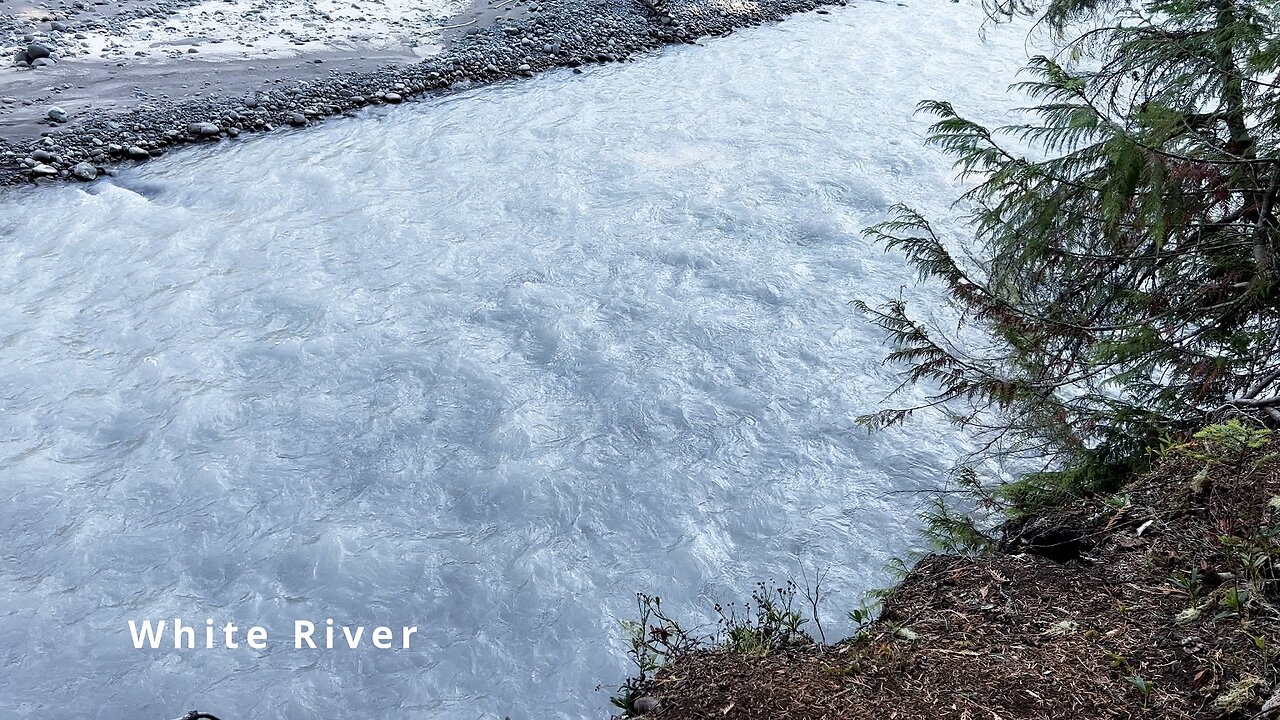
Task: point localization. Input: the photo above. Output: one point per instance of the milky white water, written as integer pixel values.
(486, 364)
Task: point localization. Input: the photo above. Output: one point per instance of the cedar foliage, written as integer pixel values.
(1125, 271)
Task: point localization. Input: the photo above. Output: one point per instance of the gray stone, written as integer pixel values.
(1272, 705)
(36, 50)
(392, 97)
(84, 171)
(297, 119)
(137, 153)
(43, 170)
(57, 114)
(203, 129)
(645, 704)
(43, 156)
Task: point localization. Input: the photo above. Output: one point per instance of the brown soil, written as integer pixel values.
(1015, 634)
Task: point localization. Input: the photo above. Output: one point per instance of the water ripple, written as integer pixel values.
(486, 364)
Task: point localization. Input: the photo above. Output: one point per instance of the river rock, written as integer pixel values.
(43, 156)
(138, 153)
(57, 114)
(1272, 706)
(297, 119)
(35, 51)
(392, 97)
(42, 170)
(203, 129)
(645, 704)
(84, 171)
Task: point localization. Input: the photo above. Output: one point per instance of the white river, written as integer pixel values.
(487, 364)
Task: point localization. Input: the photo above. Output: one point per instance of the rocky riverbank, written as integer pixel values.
(1162, 600)
(73, 107)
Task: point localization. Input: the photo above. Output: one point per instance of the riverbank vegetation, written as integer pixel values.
(1117, 330)
(1156, 602)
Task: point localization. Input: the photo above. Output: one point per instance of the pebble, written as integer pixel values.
(577, 32)
(43, 170)
(84, 171)
(203, 129)
(57, 114)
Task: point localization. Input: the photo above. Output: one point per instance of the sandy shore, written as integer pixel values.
(94, 83)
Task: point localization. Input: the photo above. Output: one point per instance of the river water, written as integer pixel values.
(486, 364)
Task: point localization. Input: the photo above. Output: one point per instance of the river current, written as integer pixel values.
(487, 364)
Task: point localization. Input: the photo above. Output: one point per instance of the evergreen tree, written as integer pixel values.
(1127, 270)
